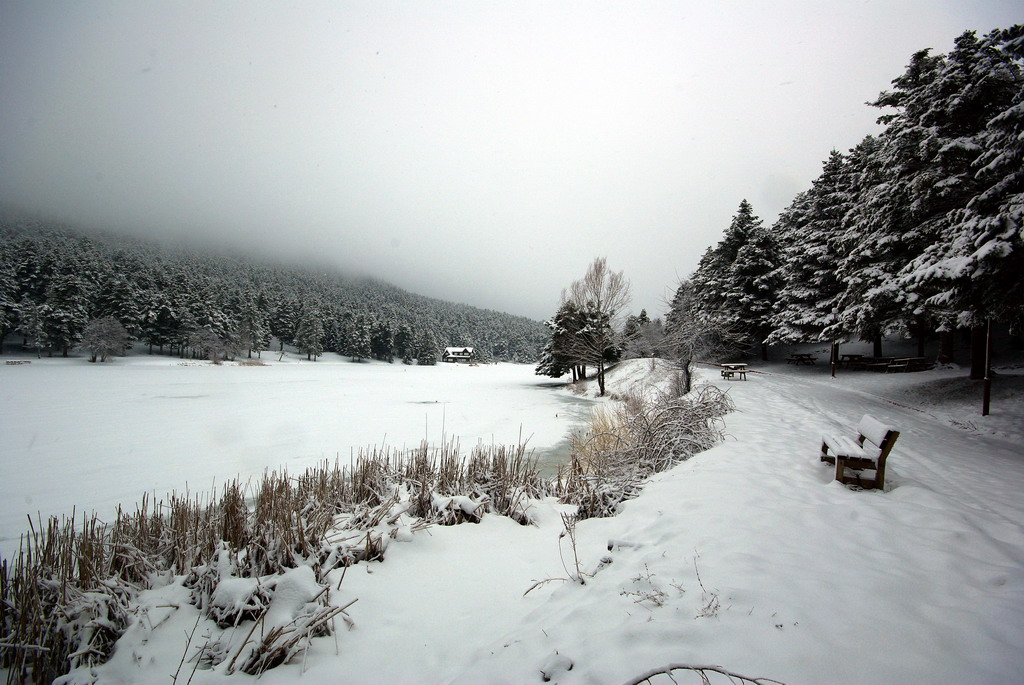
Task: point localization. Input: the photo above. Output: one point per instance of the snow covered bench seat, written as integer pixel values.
(855, 458)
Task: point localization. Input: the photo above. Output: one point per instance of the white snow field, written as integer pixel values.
(97, 435)
(747, 556)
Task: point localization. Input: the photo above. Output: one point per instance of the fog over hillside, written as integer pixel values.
(490, 149)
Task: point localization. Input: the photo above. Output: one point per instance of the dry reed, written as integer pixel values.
(65, 597)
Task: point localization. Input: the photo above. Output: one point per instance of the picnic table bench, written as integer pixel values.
(853, 458)
(892, 364)
(850, 360)
(731, 370)
(910, 364)
(800, 358)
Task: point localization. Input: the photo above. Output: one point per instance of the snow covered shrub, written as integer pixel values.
(235, 600)
(299, 611)
(104, 338)
(91, 622)
(224, 593)
(623, 446)
(451, 511)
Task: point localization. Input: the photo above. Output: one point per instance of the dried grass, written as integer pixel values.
(65, 597)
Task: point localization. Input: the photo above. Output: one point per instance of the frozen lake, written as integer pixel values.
(97, 435)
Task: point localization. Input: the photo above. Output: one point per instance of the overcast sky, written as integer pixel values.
(479, 151)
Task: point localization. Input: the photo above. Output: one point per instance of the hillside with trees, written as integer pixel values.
(61, 290)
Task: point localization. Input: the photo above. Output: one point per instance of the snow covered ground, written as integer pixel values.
(748, 556)
(98, 435)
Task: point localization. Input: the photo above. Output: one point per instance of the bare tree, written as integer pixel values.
(691, 335)
(601, 295)
(104, 337)
(208, 344)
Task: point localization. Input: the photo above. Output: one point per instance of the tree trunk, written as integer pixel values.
(876, 345)
(978, 339)
(764, 351)
(600, 379)
(947, 342)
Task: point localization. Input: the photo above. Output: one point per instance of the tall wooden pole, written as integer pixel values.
(835, 345)
(987, 392)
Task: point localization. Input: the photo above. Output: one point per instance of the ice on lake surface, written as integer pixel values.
(94, 436)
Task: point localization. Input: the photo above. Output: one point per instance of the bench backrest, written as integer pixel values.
(873, 429)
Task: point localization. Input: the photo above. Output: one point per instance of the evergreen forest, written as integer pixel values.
(62, 289)
(915, 232)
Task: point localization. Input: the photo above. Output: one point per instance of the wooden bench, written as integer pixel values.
(898, 366)
(867, 453)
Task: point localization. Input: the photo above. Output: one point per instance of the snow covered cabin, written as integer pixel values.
(457, 354)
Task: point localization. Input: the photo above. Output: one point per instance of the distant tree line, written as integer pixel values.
(914, 232)
(61, 289)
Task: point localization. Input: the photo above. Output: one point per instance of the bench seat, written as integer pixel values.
(846, 447)
(860, 461)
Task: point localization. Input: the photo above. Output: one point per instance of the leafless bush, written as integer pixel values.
(103, 338)
(624, 445)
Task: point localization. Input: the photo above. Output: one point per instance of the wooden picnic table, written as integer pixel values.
(875, 363)
(729, 371)
(800, 358)
(850, 360)
(903, 364)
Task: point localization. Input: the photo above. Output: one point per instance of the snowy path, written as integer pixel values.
(978, 471)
